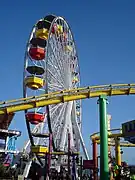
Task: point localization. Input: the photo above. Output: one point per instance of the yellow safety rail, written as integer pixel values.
(65, 96)
(122, 144)
(96, 137)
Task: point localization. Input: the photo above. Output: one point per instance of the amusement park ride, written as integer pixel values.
(7, 139)
(52, 105)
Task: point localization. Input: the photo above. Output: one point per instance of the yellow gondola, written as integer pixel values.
(42, 33)
(59, 29)
(40, 150)
(34, 82)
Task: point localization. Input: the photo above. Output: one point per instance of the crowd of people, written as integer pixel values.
(62, 175)
(123, 172)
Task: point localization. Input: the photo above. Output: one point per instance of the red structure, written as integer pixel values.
(95, 160)
(50, 151)
(88, 164)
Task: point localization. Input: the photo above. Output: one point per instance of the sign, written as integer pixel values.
(88, 164)
(13, 132)
(128, 128)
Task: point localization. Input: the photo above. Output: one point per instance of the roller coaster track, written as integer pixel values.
(122, 144)
(11, 106)
(115, 133)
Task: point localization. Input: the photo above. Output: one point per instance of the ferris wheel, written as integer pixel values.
(51, 64)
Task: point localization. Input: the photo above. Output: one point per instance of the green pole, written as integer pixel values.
(104, 168)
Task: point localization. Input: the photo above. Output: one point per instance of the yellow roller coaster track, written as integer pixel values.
(65, 96)
(96, 137)
(122, 144)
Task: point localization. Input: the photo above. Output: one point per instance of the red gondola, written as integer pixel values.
(37, 53)
(35, 118)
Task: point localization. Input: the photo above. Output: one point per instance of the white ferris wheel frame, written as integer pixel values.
(76, 137)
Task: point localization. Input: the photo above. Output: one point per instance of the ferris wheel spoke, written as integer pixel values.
(53, 65)
(55, 114)
(73, 118)
(53, 71)
(57, 136)
(62, 111)
(56, 70)
(55, 78)
(59, 57)
(55, 54)
(65, 124)
(54, 109)
(58, 123)
(65, 70)
(55, 88)
(56, 61)
(70, 127)
(66, 65)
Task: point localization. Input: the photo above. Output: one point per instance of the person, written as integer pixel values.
(117, 172)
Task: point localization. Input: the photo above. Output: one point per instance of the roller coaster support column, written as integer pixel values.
(104, 169)
(50, 150)
(95, 160)
(73, 167)
(81, 167)
(117, 151)
(46, 167)
(69, 154)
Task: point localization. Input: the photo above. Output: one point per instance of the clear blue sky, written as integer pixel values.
(104, 32)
